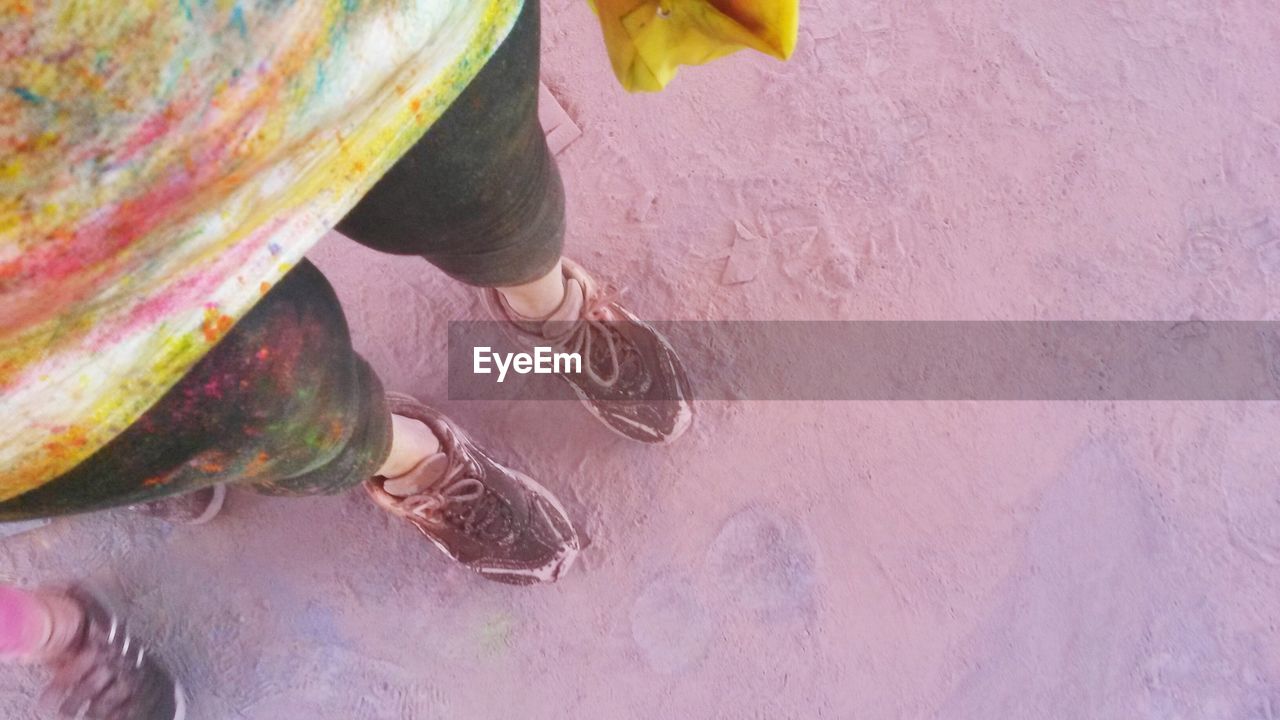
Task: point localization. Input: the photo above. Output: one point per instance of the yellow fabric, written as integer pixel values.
(649, 40)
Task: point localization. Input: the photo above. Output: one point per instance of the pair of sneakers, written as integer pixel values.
(490, 518)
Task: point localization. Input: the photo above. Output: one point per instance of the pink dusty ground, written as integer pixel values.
(968, 159)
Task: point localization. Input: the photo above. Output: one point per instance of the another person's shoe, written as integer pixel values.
(193, 508)
(631, 379)
(494, 520)
(100, 670)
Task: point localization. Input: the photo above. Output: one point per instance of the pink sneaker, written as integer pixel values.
(494, 520)
(631, 379)
(100, 670)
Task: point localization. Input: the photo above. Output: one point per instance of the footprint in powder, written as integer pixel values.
(670, 624)
(764, 563)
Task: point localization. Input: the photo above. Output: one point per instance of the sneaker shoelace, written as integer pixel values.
(456, 488)
(118, 638)
(577, 336)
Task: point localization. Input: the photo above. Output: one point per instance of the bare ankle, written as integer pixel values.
(411, 443)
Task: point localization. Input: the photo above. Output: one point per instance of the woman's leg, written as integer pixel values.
(480, 198)
(283, 402)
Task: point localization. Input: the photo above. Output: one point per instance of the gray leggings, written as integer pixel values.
(479, 196)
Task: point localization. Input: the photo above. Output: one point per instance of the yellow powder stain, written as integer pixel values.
(68, 441)
(8, 371)
(10, 216)
(10, 169)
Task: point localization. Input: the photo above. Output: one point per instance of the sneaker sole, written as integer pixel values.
(684, 419)
(215, 506)
(550, 571)
(179, 701)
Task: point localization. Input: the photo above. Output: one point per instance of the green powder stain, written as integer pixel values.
(27, 95)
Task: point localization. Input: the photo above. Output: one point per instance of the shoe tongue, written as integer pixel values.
(420, 478)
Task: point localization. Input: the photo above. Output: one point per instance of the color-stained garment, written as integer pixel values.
(164, 162)
(283, 404)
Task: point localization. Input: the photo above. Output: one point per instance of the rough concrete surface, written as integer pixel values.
(954, 159)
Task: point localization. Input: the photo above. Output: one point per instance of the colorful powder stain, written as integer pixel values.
(216, 324)
(27, 95)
